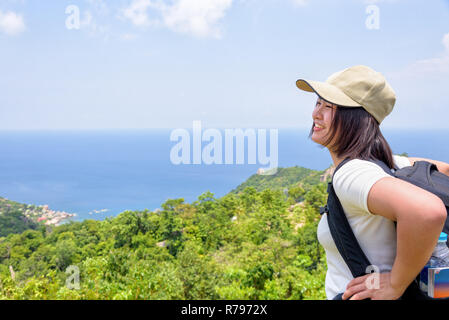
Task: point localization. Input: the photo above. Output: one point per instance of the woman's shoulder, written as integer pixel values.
(353, 181)
(357, 167)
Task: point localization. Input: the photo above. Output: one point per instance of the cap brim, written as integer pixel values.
(328, 92)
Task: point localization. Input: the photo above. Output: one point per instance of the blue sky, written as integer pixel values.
(228, 63)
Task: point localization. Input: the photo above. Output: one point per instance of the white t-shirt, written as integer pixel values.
(375, 234)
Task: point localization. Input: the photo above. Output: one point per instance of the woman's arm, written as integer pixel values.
(443, 167)
(420, 217)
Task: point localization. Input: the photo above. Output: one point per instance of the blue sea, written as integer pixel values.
(97, 174)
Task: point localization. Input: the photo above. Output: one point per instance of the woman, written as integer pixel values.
(350, 107)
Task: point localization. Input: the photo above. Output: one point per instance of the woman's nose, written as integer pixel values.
(316, 113)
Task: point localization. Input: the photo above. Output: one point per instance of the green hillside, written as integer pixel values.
(248, 244)
(284, 178)
(16, 217)
(26, 209)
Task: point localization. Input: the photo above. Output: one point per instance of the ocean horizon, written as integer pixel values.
(101, 173)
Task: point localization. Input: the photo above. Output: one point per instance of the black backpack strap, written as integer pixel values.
(342, 233)
(344, 237)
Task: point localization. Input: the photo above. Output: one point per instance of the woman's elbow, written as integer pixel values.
(446, 169)
(443, 167)
(437, 214)
(429, 215)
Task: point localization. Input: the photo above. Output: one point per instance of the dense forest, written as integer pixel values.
(15, 221)
(257, 242)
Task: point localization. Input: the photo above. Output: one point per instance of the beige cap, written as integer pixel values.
(358, 86)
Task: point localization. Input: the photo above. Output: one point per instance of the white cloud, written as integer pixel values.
(195, 17)
(421, 88)
(137, 12)
(434, 66)
(446, 42)
(92, 27)
(94, 20)
(11, 23)
(99, 6)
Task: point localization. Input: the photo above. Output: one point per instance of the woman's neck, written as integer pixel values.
(335, 159)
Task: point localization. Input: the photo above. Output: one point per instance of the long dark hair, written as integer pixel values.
(357, 136)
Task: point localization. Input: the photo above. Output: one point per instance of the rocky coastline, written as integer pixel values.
(52, 217)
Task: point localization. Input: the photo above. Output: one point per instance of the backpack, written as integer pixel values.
(422, 174)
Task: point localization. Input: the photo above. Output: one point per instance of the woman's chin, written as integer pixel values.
(316, 138)
(317, 141)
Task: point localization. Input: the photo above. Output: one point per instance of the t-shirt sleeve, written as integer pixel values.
(353, 181)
